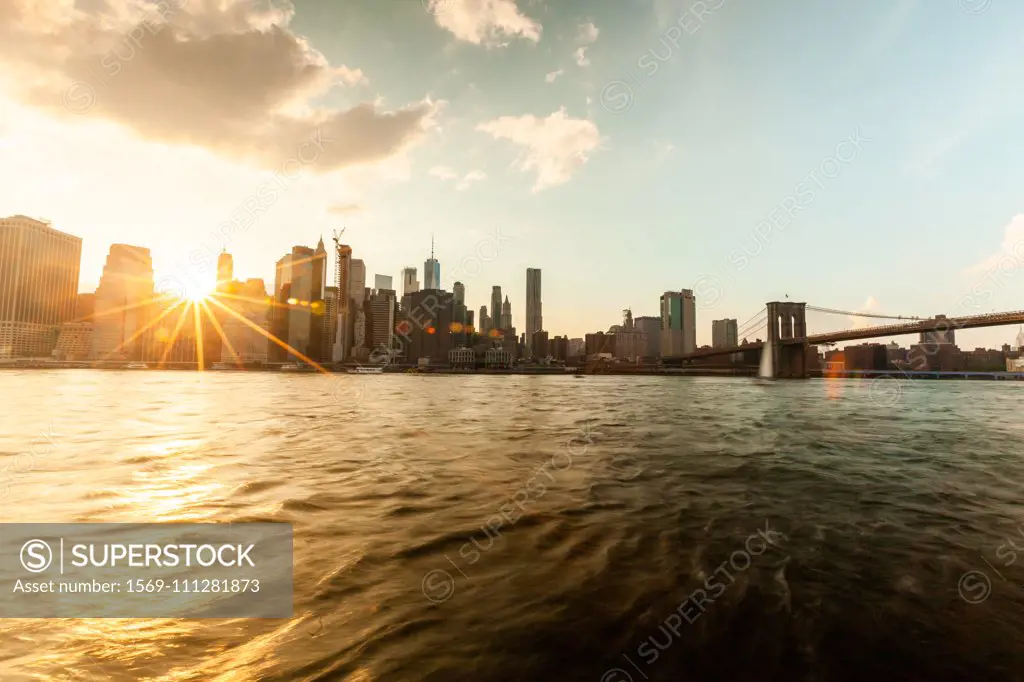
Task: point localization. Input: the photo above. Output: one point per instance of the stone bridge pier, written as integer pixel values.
(787, 334)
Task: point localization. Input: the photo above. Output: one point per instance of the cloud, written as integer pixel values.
(870, 305)
(443, 173)
(470, 177)
(344, 209)
(1012, 248)
(580, 55)
(588, 32)
(484, 22)
(550, 78)
(555, 147)
(446, 173)
(225, 75)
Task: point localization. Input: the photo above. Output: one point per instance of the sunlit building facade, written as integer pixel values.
(125, 306)
(38, 283)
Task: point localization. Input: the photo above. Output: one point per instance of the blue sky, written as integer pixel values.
(615, 204)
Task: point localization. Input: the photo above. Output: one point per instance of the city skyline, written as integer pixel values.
(483, 140)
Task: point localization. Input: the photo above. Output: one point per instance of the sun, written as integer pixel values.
(196, 292)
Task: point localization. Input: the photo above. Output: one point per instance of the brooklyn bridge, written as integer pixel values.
(784, 325)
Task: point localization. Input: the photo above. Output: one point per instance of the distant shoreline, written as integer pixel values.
(542, 371)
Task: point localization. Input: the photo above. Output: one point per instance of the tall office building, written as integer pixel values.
(410, 285)
(225, 269)
(341, 337)
(459, 291)
(279, 314)
(506, 315)
(431, 270)
(125, 306)
(724, 333)
(357, 284)
(305, 323)
(534, 319)
(484, 323)
(38, 281)
(382, 312)
(245, 344)
(382, 282)
(495, 316)
(678, 323)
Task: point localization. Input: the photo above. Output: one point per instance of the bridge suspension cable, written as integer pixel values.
(872, 315)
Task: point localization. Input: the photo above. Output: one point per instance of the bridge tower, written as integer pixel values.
(787, 334)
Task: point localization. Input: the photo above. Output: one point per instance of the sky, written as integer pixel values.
(857, 156)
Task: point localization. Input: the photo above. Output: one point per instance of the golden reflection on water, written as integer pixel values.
(172, 488)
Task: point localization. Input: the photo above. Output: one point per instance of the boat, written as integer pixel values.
(365, 370)
(137, 365)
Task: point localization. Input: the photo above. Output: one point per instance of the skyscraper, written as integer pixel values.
(506, 315)
(459, 290)
(305, 323)
(724, 333)
(382, 311)
(357, 284)
(495, 316)
(651, 328)
(341, 319)
(248, 344)
(124, 305)
(382, 281)
(431, 270)
(484, 323)
(534, 319)
(678, 323)
(410, 285)
(38, 282)
(225, 270)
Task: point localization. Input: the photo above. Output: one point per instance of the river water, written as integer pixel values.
(545, 528)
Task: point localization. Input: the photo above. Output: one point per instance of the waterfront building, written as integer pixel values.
(75, 341)
(534, 318)
(462, 357)
(538, 345)
(339, 322)
(38, 282)
(125, 306)
(600, 344)
(724, 333)
(498, 358)
(651, 328)
(678, 323)
(559, 348)
(280, 312)
(428, 326)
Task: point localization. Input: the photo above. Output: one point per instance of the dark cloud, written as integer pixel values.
(228, 77)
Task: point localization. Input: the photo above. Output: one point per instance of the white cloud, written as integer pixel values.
(580, 55)
(446, 173)
(550, 78)
(870, 306)
(484, 22)
(470, 177)
(588, 32)
(1010, 253)
(443, 173)
(556, 146)
(225, 75)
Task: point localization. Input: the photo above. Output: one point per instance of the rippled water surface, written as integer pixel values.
(545, 528)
